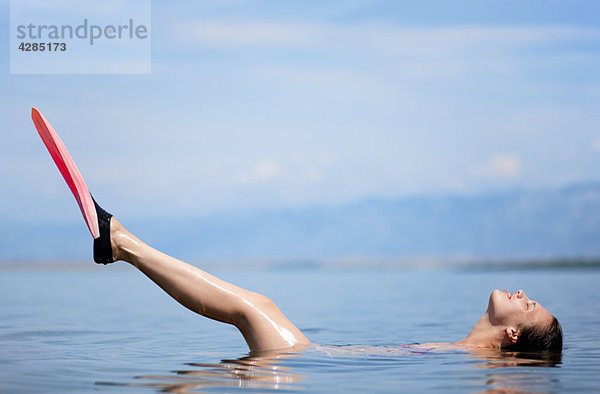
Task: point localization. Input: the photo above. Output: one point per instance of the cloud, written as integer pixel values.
(370, 50)
(499, 166)
(376, 37)
(262, 171)
(313, 175)
(300, 168)
(245, 33)
(328, 82)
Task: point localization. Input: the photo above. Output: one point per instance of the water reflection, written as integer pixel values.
(258, 370)
(510, 376)
(498, 359)
(493, 371)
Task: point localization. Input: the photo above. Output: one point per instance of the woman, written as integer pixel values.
(512, 321)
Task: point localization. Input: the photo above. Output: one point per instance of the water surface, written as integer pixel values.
(112, 329)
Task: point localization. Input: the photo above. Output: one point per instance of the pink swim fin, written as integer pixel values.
(69, 171)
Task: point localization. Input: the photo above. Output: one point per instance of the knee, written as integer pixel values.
(259, 302)
(255, 305)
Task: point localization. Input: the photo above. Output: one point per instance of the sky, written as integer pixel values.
(254, 104)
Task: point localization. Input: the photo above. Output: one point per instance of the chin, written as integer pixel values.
(495, 297)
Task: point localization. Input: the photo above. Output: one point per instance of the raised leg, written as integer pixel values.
(260, 321)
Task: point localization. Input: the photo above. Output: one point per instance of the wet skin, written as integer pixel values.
(516, 310)
(262, 323)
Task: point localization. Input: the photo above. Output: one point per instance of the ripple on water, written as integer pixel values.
(53, 340)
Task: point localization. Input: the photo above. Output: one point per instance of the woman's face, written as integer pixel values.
(516, 310)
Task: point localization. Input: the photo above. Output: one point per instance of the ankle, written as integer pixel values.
(116, 239)
(122, 242)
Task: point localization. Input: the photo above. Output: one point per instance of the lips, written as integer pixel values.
(508, 294)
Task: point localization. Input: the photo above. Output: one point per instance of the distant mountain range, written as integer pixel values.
(526, 224)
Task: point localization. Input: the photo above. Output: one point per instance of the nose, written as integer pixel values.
(521, 294)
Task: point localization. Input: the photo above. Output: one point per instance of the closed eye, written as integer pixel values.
(531, 306)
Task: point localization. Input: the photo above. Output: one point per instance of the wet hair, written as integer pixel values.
(533, 338)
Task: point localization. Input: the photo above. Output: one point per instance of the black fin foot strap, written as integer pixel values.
(102, 248)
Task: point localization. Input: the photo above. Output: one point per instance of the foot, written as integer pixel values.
(103, 253)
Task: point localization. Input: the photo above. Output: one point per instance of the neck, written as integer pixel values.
(483, 335)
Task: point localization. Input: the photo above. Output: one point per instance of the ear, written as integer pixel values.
(512, 334)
